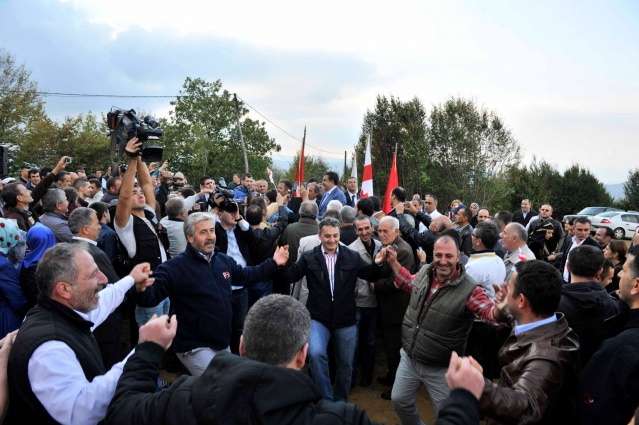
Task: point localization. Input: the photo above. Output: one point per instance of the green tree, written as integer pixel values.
(201, 135)
(631, 190)
(580, 189)
(470, 150)
(539, 181)
(84, 138)
(19, 104)
(392, 123)
(314, 166)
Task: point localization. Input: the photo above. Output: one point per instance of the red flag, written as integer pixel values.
(367, 178)
(393, 182)
(299, 174)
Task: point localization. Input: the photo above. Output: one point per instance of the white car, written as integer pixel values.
(622, 223)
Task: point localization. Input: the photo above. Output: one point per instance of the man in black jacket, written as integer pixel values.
(264, 246)
(264, 386)
(525, 214)
(585, 302)
(331, 275)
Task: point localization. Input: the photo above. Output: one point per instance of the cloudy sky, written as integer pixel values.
(564, 76)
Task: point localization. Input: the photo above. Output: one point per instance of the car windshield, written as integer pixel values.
(591, 211)
(609, 214)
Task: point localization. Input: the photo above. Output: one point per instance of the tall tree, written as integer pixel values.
(470, 150)
(201, 135)
(314, 166)
(19, 104)
(631, 190)
(580, 189)
(84, 138)
(392, 123)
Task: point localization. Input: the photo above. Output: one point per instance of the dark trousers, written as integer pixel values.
(239, 302)
(392, 344)
(367, 339)
(259, 290)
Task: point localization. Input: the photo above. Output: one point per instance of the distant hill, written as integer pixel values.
(615, 190)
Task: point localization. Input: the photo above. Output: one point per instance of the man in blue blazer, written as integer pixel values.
(331, 183)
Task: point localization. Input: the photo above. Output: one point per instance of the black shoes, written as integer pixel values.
(386, 381)
(386, 395)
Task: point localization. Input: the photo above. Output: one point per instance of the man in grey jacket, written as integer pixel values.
(365, 300)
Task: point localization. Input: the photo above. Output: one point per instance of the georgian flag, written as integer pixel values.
(367, 177)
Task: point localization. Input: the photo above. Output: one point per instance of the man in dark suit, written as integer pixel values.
(351, 194)
(234, 237)
(85, 226)
(392, 301)
(524, 215)
(331, 273)
(581, 237)
(331, 183)
(398, 196)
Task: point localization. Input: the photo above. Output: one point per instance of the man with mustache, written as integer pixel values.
(199, 282)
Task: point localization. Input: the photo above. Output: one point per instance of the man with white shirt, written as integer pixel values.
(525, 214)
(430, 206)
(55, 369)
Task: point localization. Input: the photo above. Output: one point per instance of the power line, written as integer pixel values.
(299, 140)
(58, 94)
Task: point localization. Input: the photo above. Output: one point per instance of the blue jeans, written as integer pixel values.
(239, 302)
(366, 340)
(344, 341)
(144, 314)
(259, 290)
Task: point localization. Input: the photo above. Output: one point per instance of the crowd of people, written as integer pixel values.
(270, 303)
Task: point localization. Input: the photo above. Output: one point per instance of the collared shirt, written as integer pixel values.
(92, 242)
(477, 302)
(528, 326)
(233, 251)
(575, 244)
(331, 259)
(57, 379)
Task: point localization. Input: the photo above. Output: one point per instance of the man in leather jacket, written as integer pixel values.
(540, 358)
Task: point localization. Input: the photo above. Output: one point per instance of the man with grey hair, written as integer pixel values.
(313, 193)
(55, 369)
(85, 226)
(331, 274)
(513, 239)
(307, 225)
(272, 353)
(199, 281)
(55, 206)
(347, 234)
(176, 211)
(392, 300)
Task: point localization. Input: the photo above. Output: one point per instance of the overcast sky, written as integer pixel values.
(564, 76)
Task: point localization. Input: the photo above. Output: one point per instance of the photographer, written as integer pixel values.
(136, 225)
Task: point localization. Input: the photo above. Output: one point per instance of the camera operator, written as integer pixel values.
(136, 225)
(234, 237)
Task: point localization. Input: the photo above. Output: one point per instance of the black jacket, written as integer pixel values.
(460, 408)
(566, 249)
(335, 310)
(245, 241)
(518, 217)
(609, 389)
(265, 239)
(425, 239)
(232, 390)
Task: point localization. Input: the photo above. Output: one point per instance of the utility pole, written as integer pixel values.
(237, 113)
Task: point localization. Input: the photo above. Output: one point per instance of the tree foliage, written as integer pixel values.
(201, 135)
(314, 166)
(19, 103)
(394, 123)
(44, 142)
(470, 150)
(631, 190)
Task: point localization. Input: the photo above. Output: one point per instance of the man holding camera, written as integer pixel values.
(135, 223)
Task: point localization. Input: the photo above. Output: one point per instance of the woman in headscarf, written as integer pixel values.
(39, 239)
(12, 301)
